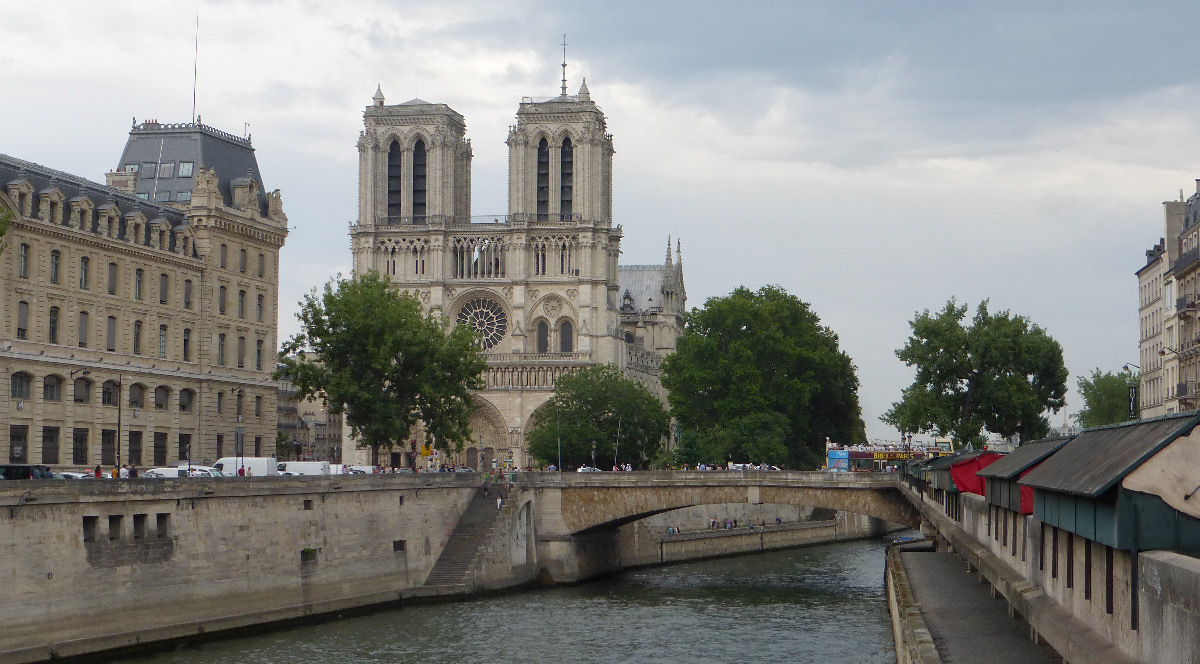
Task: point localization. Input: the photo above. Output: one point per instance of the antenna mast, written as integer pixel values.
(195, 66)
(564, 66)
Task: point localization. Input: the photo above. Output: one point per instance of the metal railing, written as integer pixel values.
(1186, 389)
(454, 220)
(1184, 302)
(1186, 260)
(537, 357)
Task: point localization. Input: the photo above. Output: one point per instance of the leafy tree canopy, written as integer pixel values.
(6, 217)
(593, 405)
(372, 353)
(1106, 398)
(1001, 373)
(756, 377)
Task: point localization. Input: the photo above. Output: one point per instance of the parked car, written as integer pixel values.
(588, 469)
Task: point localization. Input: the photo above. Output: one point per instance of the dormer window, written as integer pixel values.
(131, 168)
(148, 169)
(166, 171)
(185, 169)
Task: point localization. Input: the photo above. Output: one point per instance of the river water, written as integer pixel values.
(823, 604)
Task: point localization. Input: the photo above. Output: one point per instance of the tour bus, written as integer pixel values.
(255, 466)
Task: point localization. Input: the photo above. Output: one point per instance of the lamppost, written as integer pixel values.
(617, 442)
(593, 454)
(558, 415)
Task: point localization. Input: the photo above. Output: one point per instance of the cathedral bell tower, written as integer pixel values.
(414, 164)
(560, 160)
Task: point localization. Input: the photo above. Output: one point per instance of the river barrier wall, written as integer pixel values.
(92, 566)
(1081, 599)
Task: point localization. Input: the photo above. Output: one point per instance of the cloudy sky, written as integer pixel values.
(873, 158)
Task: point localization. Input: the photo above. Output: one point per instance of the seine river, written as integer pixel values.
(823, 604)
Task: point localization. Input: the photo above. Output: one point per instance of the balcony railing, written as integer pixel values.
(453, 220)
(1186, 389)
(1185, 302)
(1186, 260)
(528, 358)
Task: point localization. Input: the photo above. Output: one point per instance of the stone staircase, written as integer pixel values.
(456, 565)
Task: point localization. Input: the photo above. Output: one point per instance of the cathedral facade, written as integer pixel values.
(541, 284)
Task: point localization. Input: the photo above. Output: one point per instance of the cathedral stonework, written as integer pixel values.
(540, 284)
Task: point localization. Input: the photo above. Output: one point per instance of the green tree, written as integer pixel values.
(1001, 373)
(756, 377)
(370, 351)
(592, 405)
(283, 447)
(1106, 398)
(6, 217)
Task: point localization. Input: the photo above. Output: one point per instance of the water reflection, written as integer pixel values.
(821, 605)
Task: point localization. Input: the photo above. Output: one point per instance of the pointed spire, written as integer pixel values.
(564, 81)
(668, 251)
(584, 94)
(678, 251)
(378, 98)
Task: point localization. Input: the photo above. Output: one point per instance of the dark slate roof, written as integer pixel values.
(944, 462)
(1097, 459)
(644, 283)
(232, 157)
(74, 187)
(1025, 456)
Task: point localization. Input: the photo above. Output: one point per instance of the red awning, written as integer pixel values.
(963, 473)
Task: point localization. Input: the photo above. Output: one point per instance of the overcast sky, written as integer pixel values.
(873, 158)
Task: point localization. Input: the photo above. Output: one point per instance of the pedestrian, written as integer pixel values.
(133, 471)
(499, 501)
(97, 472)
(124, 471)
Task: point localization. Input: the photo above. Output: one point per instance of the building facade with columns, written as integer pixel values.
(540, 283)
(138, 321)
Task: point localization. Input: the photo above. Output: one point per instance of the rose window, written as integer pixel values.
(486, 318)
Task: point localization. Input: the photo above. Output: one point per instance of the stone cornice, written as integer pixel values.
(67, 234)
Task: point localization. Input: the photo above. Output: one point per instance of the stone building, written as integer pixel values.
(138, 319)
(540, 283)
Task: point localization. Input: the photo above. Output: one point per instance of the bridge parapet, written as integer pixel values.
(709, 478)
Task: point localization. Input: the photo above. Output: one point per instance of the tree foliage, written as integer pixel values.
(1106, 398)
(1001, 373)
(756, 377)
(6, 217)
(372, 353)
(592, 405)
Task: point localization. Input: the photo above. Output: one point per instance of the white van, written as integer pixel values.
(255, 466)
(304, 468)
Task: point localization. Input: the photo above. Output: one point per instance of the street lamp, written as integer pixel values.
(558, 415)
(593, 454)
(1131, 364)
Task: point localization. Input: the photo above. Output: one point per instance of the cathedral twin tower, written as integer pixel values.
(540, 284)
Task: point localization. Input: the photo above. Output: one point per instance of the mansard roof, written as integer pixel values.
(75, 188)
(231, 157)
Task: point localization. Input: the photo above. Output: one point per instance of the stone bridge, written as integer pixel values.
(575, 516)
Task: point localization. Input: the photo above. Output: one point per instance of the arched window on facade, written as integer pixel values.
(137, 395)
(566, 337)
(186, 397)
(566, 179)
(83, 390)
(418, 182)
(108, 393)
(21, 383)
(543, 180)
(543, 337)
(162, 396)
(52, 388)
(395, 184)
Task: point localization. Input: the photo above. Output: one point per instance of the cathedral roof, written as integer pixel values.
(416, 101)
(643, 283)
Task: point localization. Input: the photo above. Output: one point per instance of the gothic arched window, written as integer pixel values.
(566, 168)
(543, 337)
(394, 183)
(543, 180)
(566, 337)
(419, 183)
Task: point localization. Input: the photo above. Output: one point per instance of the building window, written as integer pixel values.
(260, 308)
(261, 264)
(566, 337)
(220, 406)
(137, 337)
(144, 196)
(83, 329)
(241, 304)
(22, 320)
(83, 390)
(221, 299)
(138, 277)
(187, 294)
(110, 338)
(23, 261)
(50, 445)
(163, 284)
(238, 403)
(185, 169)
(221, 351)
(162, 341)
(53, 328)
(135, 447)
(21, 384)
(185, 400)
(187, 345)
(418, 183)
(112, 278)
(241, 260)
(52, 388)
(137, 395)
(258, 406)
(185, 446)
(543, 337)
(183, 196)
(18, 443)
(79, 447)
(223, 254)
(566, 168)
(84, 263)
(241, 352)
(258, 349)
(162, 396)
(108, 393)
(131, 168)
(149, 169)
(166, 170)
(543, 180)
(220, 446)
(55, 261)
(395, 209)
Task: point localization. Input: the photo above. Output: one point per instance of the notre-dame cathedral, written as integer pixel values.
(541, 284)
